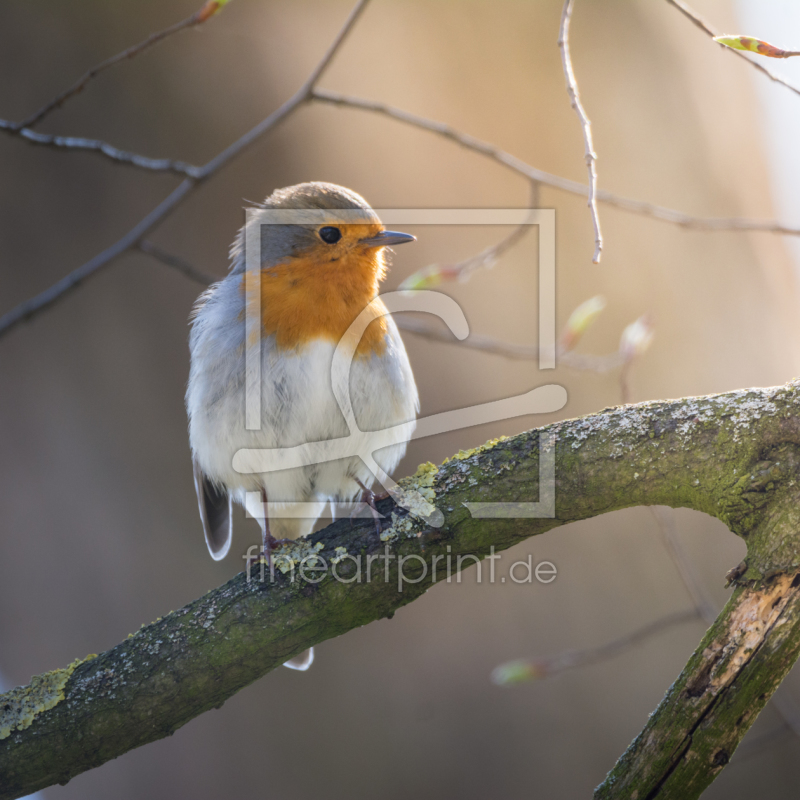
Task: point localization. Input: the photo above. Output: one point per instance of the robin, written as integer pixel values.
(316, 277)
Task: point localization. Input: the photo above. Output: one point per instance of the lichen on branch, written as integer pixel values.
(734, 456)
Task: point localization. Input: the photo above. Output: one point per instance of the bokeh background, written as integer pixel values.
(99, 524)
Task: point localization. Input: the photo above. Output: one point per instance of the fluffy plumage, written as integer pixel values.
(310, 293)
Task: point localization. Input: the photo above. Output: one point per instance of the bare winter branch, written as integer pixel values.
(586, 126)
(208, 10)
(34, 305)
(184, 267)
(78, 144)
(435, 274)
(531, 669)
(523, 352)
(555, 181)
(24, 130)
(701, 23)
(196, 175)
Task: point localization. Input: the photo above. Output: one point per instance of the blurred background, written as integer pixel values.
(100, 531)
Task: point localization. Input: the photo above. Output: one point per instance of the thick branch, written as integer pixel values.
(734, 456)
(740, 662)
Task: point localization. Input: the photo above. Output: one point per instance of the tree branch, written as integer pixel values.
(654, 453)
(200, 16)
(23, 129)
(699, 22)
(586, 126)
(742, 659)
(537, 668)
(548, 179)
(582, 362)
(195, 176)
(34, 305)
(434, 274)
(171, 260)
(78, 143)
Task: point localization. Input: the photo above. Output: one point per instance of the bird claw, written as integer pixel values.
(271, 544)
(368, 500)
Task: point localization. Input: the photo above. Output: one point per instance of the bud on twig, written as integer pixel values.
(210, 8)
(580, 320)
(636, 338)
(428, 277)
(518, 672)
(751, 45)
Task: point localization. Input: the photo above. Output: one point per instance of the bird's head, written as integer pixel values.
(319, 224)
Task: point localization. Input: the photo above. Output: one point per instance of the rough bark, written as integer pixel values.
(734, 456)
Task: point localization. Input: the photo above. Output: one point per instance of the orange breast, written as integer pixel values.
(305, 299)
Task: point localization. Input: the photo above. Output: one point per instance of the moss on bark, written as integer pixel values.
(734, 456)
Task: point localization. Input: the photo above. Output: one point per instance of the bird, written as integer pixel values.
(316, 277)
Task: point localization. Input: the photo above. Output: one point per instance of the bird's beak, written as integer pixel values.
(386, 238)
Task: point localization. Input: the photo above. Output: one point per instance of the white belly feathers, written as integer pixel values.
(297, 403)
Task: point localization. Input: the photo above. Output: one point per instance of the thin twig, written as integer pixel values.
(582, 362)
(475, 341)
(548, 179)
(196, 175)
(184, 267)
(76, 143)
(665, 517)
(208, 10)
(486, 259)
(706, 28)
(304, 94)
(522, 670)
(624, 382)
(586, 126)
(753, 747)
(787, 709)
(34, 305)
(578, 361)
(180, 167)
(23, 129)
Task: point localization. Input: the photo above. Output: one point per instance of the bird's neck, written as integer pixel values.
(303, 301)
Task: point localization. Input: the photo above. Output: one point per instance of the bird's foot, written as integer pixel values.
(271, 544)
(368, 500)
(276, 544)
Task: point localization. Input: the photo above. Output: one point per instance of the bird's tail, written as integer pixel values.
(302, 661)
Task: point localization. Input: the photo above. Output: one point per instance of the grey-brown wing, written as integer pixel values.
(215, 513)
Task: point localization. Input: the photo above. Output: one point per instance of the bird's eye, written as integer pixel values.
(330, 234)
